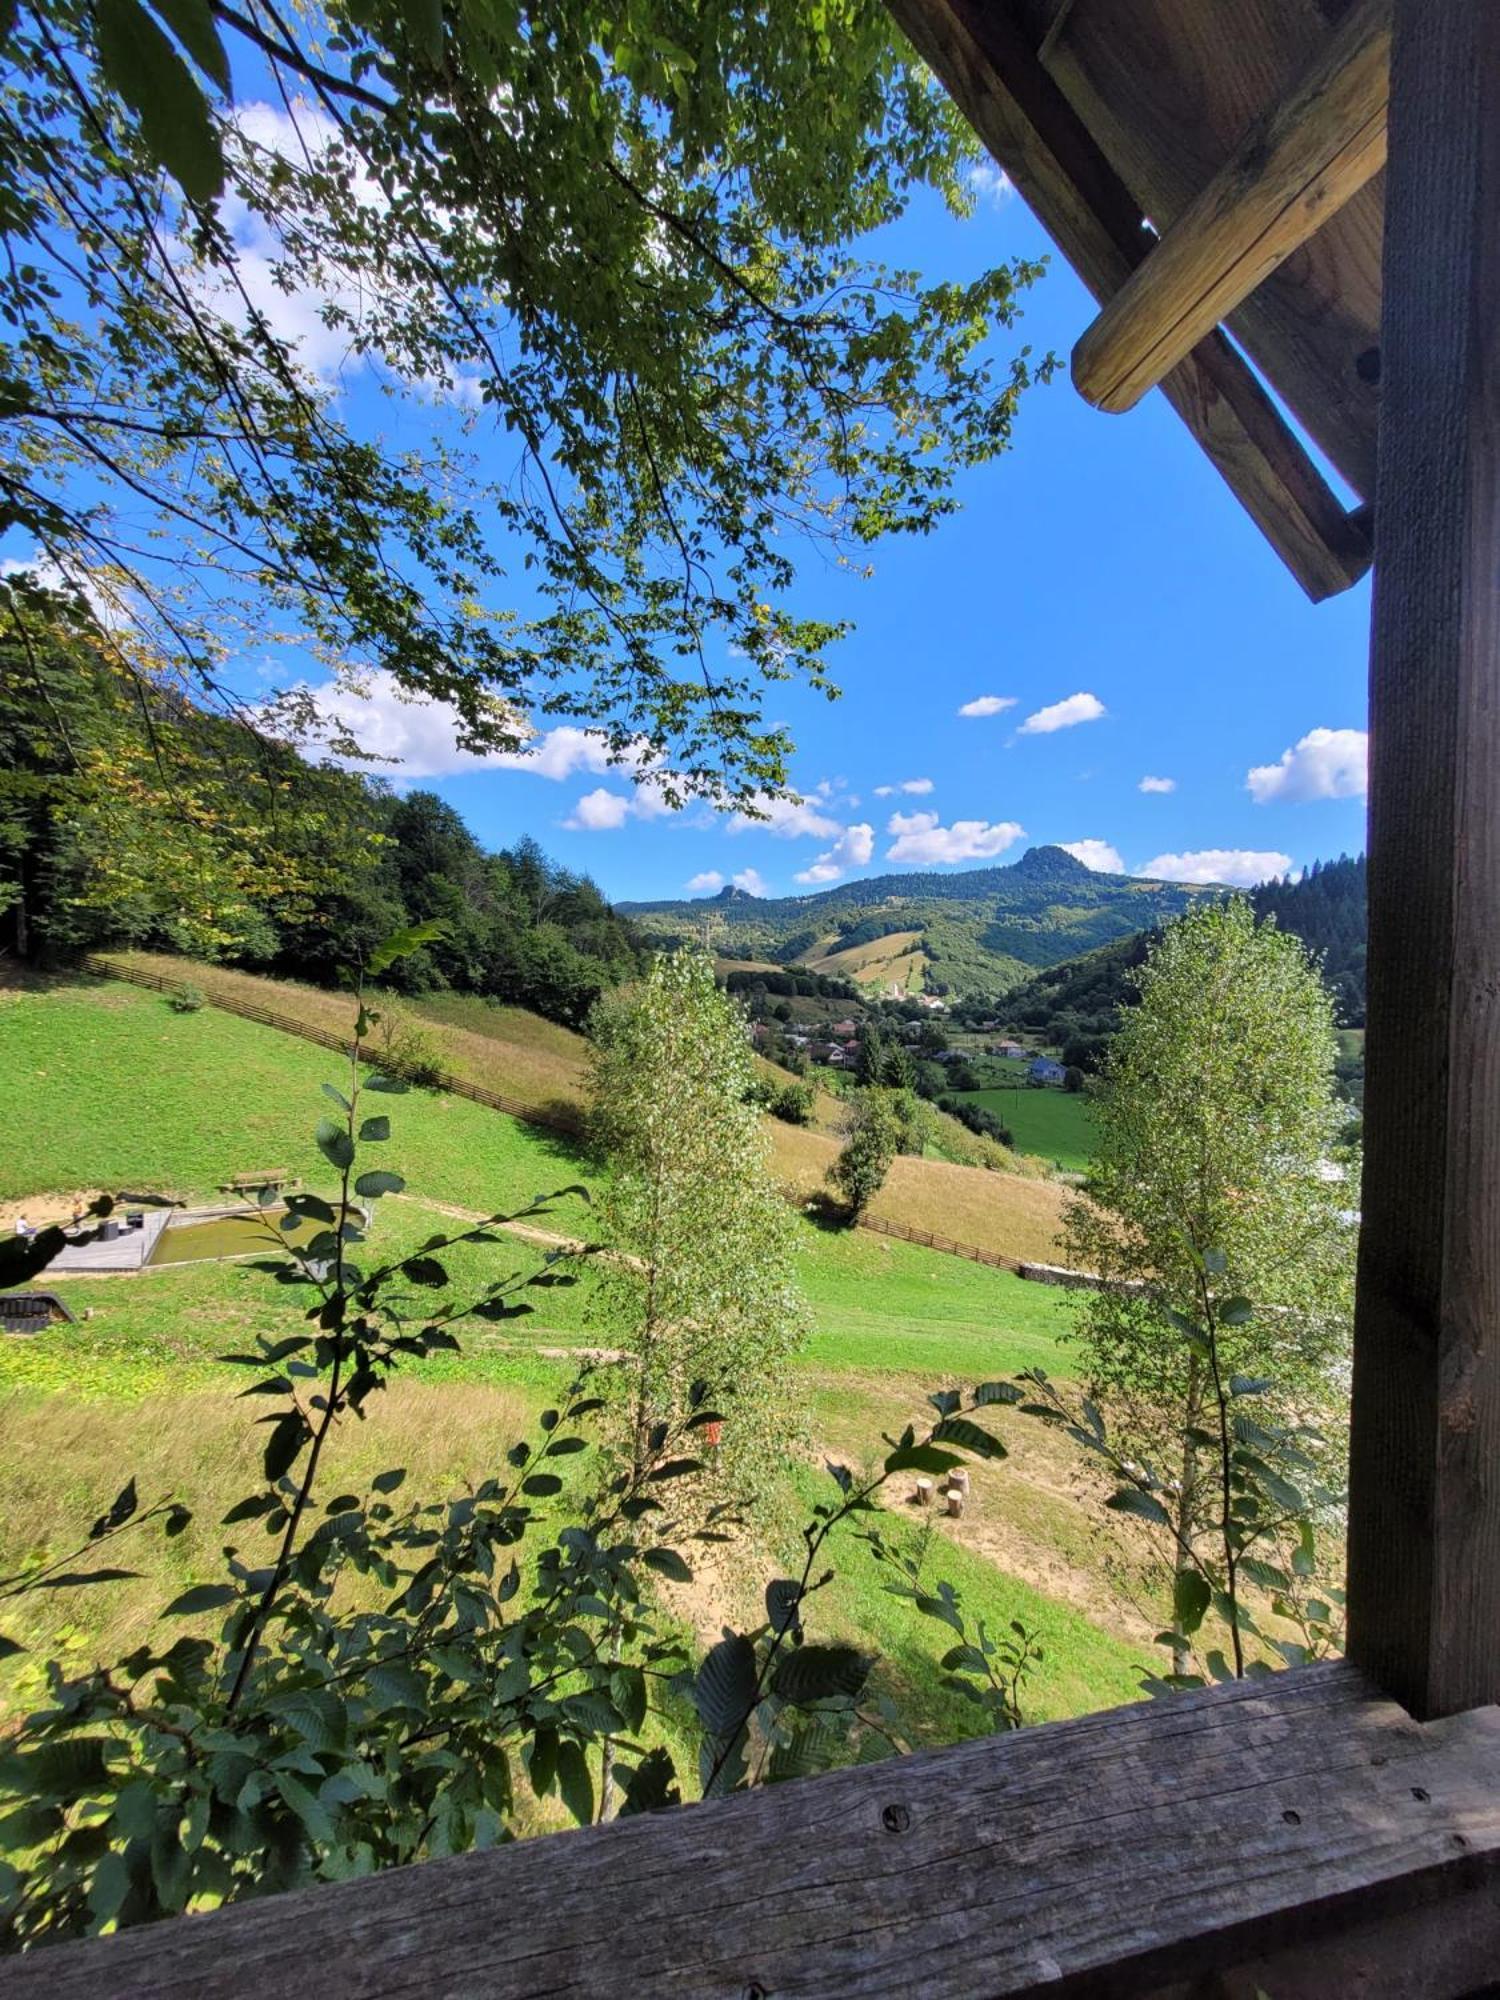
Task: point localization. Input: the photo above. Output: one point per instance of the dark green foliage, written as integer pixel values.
(1075, 1007)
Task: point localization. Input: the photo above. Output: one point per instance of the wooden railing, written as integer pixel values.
(1297, 1836)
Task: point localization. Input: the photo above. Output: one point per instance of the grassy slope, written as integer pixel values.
(1055, 1124)
(503, 1047)
(887, 1322)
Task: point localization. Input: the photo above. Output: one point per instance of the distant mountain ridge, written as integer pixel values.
(1075, 1006)
(981, 931)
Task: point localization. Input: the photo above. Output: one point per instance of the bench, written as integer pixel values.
(267, 1177)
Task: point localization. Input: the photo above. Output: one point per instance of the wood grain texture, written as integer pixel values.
(1295, 167)
(1109, 1854)
(985, 60)
(1424, 1528)
(1167, 88)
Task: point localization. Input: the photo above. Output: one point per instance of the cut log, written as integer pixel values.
(955, 1503)
(924, 1492)
(1294, 168)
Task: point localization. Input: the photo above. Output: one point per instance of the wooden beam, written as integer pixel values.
(1424, 1522)
(1106, 1855)
(1296, 166)
(990, 69)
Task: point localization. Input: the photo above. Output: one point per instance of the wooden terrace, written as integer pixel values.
(1289, 211)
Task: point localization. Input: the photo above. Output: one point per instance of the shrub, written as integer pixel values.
(794, 1103)
(186, 999)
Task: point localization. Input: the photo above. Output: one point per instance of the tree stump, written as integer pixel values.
(955, 1503)
(959, 1479)
(924, 1492)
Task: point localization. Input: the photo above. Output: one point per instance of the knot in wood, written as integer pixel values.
(895, 1819)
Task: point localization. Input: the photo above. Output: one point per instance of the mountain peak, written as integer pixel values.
(733, 893)
(1050, 864)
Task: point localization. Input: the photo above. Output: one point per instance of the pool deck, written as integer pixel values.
(129, 1251)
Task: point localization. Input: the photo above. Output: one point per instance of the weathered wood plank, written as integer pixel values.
(1424, 1528)
(1167, 94)
(1186, 1833)
(1295, 167)
(991, 71)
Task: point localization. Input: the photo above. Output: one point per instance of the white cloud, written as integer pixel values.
(990, 183)
(917, 788)
(920, 838)
(598, 811)
(1239, 867)
(1325, 764)
(1095, 854)
(1157, 785)
(988, 704)
(1065, 714)
(703, 884)
(852, 849)
(787, 819)
(751, 882)
(109, 606)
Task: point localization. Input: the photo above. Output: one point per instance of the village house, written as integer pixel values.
(1045, 1070)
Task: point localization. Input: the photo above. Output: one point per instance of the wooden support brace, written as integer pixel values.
(1294, 168)
(1424, 1512)
(981, 54)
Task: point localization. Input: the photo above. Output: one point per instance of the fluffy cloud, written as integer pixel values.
(751, 882)
(988, 704)
(919, 838)
(1325, 764)
(704, 884)
(1065, 714)
(852, 849)
(917, 788)
(1095, 854)
(1239, 867)
(598, 811)
(1157, 785)
(421, 737)
(786, 819)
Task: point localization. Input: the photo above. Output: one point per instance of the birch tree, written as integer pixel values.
(1217, 1129)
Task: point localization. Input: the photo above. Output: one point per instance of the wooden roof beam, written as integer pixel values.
(1294, 167)
(983, 57)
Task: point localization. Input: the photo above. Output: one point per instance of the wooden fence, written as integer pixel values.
(556, 1118)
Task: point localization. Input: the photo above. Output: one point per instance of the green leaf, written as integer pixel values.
(373, 1130)
(202, 1597)
(378, 1183)
(424, 1271)
(313, 1815)
(1249, 1385)
(140, 63)
(1130, 1500)
(334, 1143)
(819, 1673)
(1190, 1600)
(921, 1458)
(387, 1482)
(288, 1435)
(388, 1086)
(667, 1562)
(574, 1781)
(402, 943)
(998, 1392)
(541, 1485)
(724, 1688)
(108, 1886)
(193, 25)
(969, 1436)
(424, 25)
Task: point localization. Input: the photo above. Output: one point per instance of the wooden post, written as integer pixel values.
(1424, 1522)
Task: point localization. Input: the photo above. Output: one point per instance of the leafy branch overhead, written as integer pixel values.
(619, 253)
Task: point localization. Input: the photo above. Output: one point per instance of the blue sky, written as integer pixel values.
(1101, 557)
(1101, 606)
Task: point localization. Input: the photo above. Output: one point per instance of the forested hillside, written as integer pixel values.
(131, 815)
(1076, 1007)
(977, 933)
